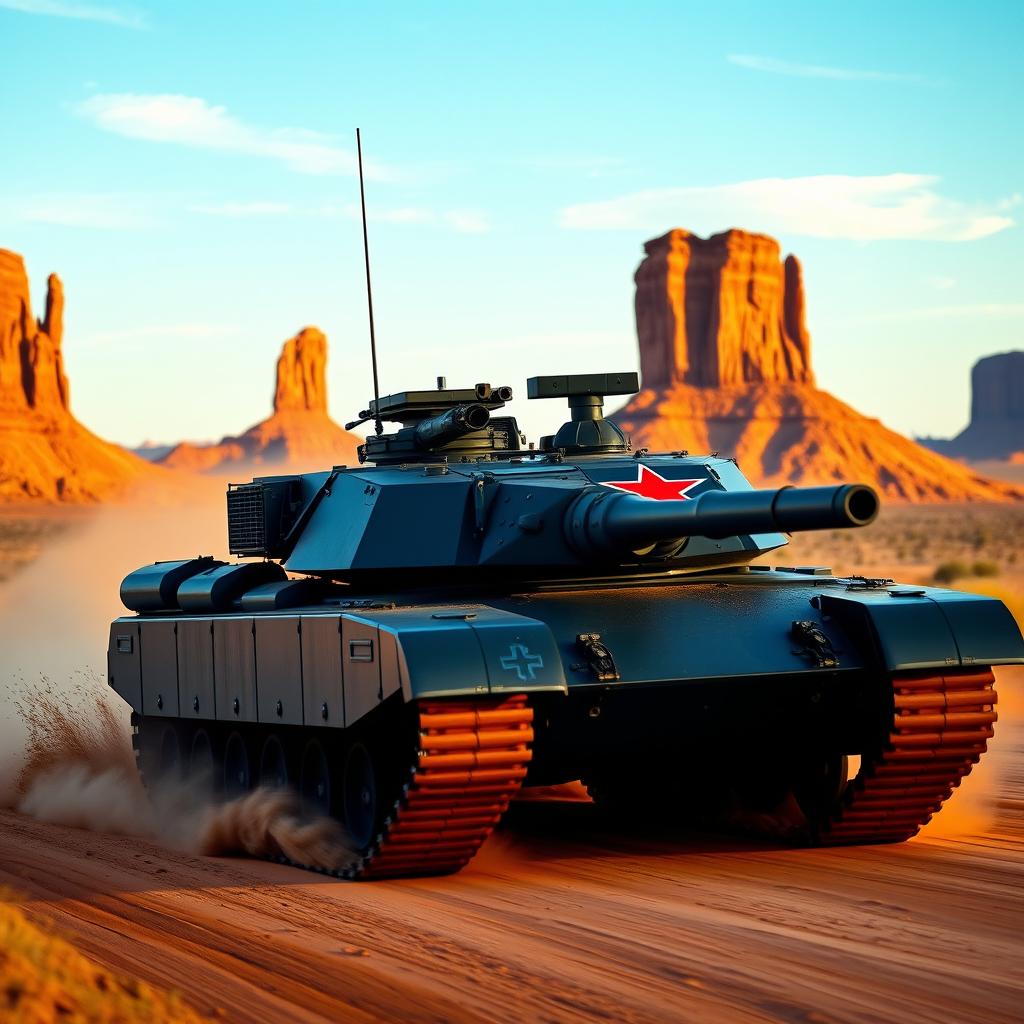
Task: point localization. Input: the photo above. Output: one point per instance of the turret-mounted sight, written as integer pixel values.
(587, 430)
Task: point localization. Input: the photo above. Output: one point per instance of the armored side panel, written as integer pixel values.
(986, 632)
(323, 692)
(360, 646)
(926, 627)
(195, 669)
(390, 664)
(159, 643)
(279, 670)
(449, 651)
(234, 669)
(124, 663)
(439, 653)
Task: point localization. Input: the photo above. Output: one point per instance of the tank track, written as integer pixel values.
(471, 760)
(941, 724)
(471, 763)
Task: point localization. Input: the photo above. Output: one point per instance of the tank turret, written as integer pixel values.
(581, 504)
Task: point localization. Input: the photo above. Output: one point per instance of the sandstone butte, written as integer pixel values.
(725, 358)
(299, 434)
(996, 429)
(45, 453)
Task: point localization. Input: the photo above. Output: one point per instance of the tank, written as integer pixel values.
(410, 642)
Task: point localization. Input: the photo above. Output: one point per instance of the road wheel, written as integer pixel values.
(237, 770)
(202, 764)
(820, 784)
(359, 796)
(274, 764)
(315, 778)
(168, 766)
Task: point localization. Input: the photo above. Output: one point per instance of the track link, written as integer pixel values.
(941, 724)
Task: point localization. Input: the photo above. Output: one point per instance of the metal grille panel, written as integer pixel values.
(247, 520)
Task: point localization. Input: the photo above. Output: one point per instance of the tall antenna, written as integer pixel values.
(378, 426)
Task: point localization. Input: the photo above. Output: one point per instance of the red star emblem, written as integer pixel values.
(649, 484)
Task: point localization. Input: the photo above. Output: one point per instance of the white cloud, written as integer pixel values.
(80, 12)
(785, 67)
(80, 210)
(191, 121)
(868, 207)
(259, 208)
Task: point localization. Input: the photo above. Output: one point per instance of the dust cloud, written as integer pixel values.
(78, 770)
(270, 823)
(55, 614)
(65, 739)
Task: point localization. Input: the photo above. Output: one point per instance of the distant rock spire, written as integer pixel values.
(31, 363)
(301, 384)
(46, 455)
(299, 434)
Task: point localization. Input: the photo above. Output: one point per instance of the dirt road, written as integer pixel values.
(560, 921)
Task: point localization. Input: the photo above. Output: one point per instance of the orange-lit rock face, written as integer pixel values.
(298, 435)
(31, 365)
(720, 311)
(725, 358)
(300, 373)
(45, 453)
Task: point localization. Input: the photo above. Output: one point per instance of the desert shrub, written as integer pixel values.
(985, 569)
(949, 572)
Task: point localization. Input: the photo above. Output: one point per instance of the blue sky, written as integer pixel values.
(188, 170)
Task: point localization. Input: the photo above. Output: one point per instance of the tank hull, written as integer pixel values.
(699, 692)
(329, 666)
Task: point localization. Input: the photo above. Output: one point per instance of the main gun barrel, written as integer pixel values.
(603, 521)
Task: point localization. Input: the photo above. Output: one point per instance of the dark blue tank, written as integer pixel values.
(410, 641)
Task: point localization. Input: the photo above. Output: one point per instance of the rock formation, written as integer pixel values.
(996, 430)
(45, 453)
(31, 365)
(726, 367)
(300, 373)
(298, 435)
(720, 311)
